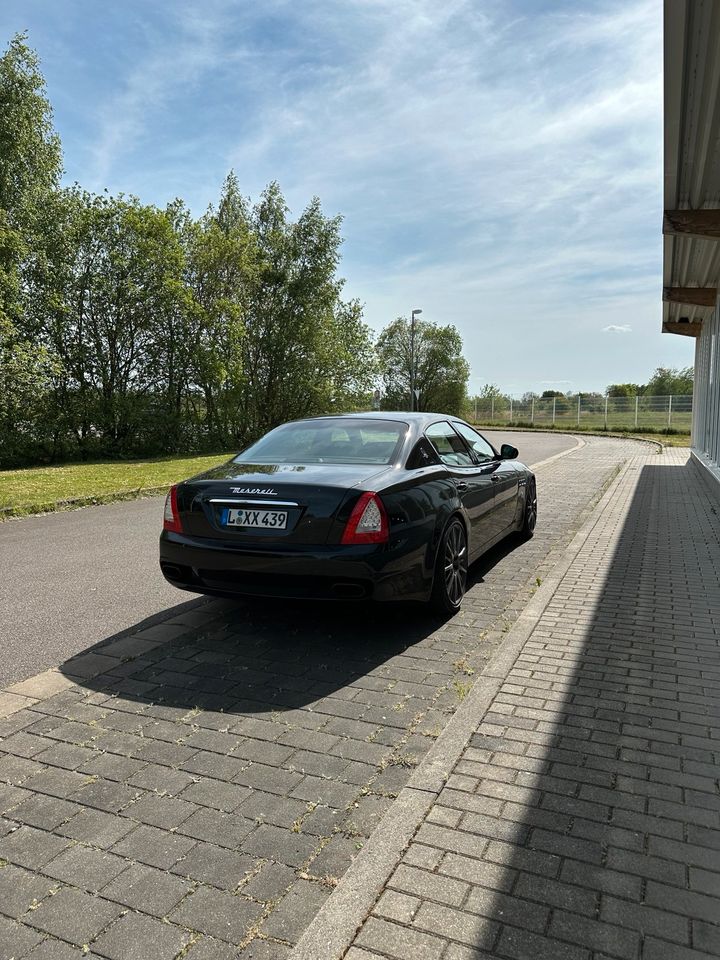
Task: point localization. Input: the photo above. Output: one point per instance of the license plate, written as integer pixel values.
(264, 519)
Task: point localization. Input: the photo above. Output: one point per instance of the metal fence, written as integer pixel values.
(609, 413)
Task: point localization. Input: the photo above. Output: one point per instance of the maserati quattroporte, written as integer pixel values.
(384, 506)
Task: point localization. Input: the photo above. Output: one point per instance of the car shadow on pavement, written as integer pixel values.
(250, 656)
(259, 655)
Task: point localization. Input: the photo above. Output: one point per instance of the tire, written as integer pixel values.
(530, 514)
(451, 569)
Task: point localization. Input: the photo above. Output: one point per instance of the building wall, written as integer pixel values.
(706, 402)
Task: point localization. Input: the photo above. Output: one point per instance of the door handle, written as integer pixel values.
(461, 485)
(495, 478)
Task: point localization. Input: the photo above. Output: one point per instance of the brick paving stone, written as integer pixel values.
(284, 846)
(56, 782)
(166, 812)
(269, 808)
(364, 815)
(207, 948)
(106, 795)
(74, 916)
(265, 950)
(85, 867)
(319, 790)
(135, 937)
(96, 827)
(217, 914)
(214, 826)
(16, 939)
(31, 848)
(147, 889)
(45, 812)
(295, 911)
(429, 886)
(52, 949)
(270, 883)
(399, 941)
(11, 796)
(215, 793)
(215, 865)
(20, 889)
(156, 848)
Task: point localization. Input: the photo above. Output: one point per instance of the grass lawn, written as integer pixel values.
(39, 489)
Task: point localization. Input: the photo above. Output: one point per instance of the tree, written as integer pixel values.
(669, 381)
(104, 301)
(441, 371)
(624, 390)
(306, 351)
(30, 166)
(561, 404)
(30, 162)
(488, 402)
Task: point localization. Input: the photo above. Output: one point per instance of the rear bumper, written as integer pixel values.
(376, 572)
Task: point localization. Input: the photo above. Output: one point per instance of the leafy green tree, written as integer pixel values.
(306, 351)
(488, 402)
(441, 371)
(106, 296)
(624, 390)
(220, 266)
(30, 167)
(562, 404)
(670, 381)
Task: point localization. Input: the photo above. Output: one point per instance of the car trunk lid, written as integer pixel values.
(265, 504)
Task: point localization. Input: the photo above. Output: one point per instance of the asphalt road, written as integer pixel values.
(69, 580)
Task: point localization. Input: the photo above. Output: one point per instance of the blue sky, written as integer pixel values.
(497, 162)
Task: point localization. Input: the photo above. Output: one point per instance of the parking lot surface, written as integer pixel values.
(199, 787)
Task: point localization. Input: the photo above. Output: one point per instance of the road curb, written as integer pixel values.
(569, 433)
(333, 929)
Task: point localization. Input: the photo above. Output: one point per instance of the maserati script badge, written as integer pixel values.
(257, 491)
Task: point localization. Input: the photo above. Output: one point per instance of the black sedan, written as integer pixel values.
(386, 506)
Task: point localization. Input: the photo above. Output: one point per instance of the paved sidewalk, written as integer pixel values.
(198, 789)
(581, 820)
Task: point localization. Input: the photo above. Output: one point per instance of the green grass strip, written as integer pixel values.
(46, 489)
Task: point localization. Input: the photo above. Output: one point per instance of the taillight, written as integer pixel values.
(368, 522)
(171, 517)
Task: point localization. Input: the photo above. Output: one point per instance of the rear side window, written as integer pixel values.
(449, 446)
(423, 455)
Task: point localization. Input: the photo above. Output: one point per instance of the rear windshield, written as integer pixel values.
(328, 441)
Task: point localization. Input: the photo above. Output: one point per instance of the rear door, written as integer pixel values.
(503, 476)
(473, 482)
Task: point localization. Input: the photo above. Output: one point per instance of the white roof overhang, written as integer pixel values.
(691, 241)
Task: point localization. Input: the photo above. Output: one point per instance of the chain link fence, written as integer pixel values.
(609, 413)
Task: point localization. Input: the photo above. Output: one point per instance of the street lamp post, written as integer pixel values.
(413, 314)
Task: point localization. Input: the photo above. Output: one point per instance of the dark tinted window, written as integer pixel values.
(423, 455)
(449, 446)
(335, 440)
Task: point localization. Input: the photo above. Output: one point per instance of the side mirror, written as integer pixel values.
(508, 452)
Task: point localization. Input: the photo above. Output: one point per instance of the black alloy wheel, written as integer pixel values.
(451, 569)
(530, 518)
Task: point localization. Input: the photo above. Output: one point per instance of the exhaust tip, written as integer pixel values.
(349, 591)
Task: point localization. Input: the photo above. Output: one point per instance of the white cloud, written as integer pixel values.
(497, 163)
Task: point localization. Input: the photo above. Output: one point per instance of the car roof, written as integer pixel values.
(401, 416)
